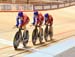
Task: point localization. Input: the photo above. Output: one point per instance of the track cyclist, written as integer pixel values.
(21, 23)
(49, 22)
(37, 22)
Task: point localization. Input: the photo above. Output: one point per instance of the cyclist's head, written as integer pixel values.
(35, 13)
(46, 15)
(20, 14)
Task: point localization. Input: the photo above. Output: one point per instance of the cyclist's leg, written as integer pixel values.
(24, 35)
(24, 27)
(40, 33)
(40, 27)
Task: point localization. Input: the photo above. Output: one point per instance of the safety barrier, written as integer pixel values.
(15, 7)
(31, 7)
(53, 6)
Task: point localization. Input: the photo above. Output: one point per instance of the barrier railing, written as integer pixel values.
(15, 7)
(52, 6)
(30, 7)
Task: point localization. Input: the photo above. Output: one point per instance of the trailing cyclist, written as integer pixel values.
(48, 22)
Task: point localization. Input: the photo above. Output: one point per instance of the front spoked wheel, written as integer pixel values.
(51, 33)
(17, 40)
(34, 36)
(46, 34)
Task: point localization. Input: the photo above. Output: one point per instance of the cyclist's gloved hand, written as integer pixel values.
(16, 26)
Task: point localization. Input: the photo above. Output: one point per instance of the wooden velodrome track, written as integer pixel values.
(63, 27)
